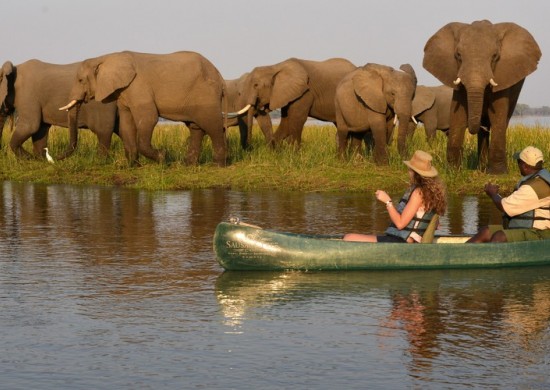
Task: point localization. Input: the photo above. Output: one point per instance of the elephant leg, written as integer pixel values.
(356, 143)
(195, 143)
(103, 142)
(219, 148)
(282, 131)
(23, 131)
(499, 115)
(128, 133)
(369, 142)
(145, 119)
(457, 128)
(40, 140)
(264, 121)
(341, 142)
(297, 116)
(482, 148)
(379, 133)
(3, 119)
(430, 127)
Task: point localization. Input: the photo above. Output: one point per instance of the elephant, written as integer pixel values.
(33, 91)
(486, 65)
(432, 107)
(182, 86)
(233, 91)
(300, 88)
(371, 98)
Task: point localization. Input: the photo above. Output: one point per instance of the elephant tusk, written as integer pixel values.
(457, 81)
(493, 82)
(243, 110)
(238, 113)
(414, 119)
(395, 120)
(68, 106)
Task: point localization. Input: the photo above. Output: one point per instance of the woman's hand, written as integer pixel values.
(382, 196)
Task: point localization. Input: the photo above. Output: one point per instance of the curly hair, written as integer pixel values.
(433, 191)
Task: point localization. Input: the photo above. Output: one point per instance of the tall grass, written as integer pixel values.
(312, 167)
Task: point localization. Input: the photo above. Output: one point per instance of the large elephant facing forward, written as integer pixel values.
(300, 88)
(182, 86)
(486, 64)
(369, 99)
(34, 90)
(431, 106)
(234, 91)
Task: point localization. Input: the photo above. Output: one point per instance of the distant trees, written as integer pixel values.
(525, 110)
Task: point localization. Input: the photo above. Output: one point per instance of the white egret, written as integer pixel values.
(48, 157)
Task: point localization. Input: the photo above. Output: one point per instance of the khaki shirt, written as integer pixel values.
(525, 199)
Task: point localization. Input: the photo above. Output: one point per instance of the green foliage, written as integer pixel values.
(312, 167)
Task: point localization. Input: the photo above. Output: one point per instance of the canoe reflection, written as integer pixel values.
(432, 311)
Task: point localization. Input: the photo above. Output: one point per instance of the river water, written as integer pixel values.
(104, 288)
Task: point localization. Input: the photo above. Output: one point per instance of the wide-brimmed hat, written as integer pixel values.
(421, 163)
(530, 155)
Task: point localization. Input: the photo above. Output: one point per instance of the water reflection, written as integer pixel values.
(93, 279)
(483, 316)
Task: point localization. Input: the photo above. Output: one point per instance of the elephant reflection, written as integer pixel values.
(34, 90)
(432, 107)
(486, 64)
(300, 88)
(370, 99)
(182, 86)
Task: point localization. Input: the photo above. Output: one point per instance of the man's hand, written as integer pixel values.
(491, 189)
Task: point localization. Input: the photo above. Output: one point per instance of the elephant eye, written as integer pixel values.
(458, 56)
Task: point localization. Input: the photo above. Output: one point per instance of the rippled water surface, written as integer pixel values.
(110, 288)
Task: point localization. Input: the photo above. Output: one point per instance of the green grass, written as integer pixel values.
(313, 167)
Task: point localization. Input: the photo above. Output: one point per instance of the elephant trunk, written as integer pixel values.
(72, 118)
(249, 124)
(402, 132)
(475, 108)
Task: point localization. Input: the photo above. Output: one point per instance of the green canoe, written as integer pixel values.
(240, 246)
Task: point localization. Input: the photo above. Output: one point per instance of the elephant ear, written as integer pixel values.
(439, 53)
(7, 69)
(519, 55)
(424, 99)
(369, 86)
(115, 72)
(289, 83)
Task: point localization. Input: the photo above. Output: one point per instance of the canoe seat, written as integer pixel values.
(428, 236)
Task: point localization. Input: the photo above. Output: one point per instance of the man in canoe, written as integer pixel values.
(526, 211)
(425, 198)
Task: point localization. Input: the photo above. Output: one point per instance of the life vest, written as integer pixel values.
(540, 183)
(421, 223)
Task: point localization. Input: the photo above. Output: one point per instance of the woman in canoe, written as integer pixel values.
(425, 198)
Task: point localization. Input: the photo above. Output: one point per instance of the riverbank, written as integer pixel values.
(315, 167)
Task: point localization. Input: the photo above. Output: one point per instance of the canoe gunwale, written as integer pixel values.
(244, 247)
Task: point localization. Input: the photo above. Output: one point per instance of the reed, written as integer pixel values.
(312, 167)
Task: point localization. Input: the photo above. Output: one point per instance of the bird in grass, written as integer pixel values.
(48, 157)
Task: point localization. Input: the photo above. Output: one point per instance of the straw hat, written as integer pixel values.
(530, 155)
(421, 163)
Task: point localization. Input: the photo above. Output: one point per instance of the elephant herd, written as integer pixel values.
(481, 65)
